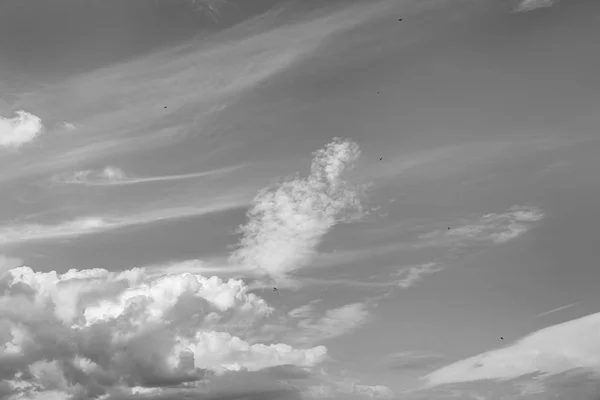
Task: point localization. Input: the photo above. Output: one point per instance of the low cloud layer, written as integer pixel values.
(571, 345)
(19, 130)
(91, 332)
(286, 224)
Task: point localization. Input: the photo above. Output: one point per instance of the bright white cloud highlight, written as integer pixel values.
(19, 130)
(553, 350)
(285, 225)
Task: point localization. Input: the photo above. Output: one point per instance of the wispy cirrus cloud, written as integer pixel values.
(123, 115)
(21, 233)
(286, 224)
(114, 176)
(409, 276)
(495, 228)
(558, 309)
(530, 5)
(553, 350)
(335, 322)
(412, 360)
(332, 389)
(19, 130)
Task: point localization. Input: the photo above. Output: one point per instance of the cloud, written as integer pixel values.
(68, 126)
(20, 233)
(334, 323)
(19, 130)
(111, 176)
(285, 225)
(412, 360)
(530, 5)
(558, 309)
(330, 388)
(89, 333)
(411, 275)
(495, 228)
(553, 350)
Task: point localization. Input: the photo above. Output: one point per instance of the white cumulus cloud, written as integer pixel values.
(19, 130)
(89, 332)
(285, 225)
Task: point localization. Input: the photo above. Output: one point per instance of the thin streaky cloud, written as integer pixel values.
(409, 276)
(230, 67)
(113, 176)
(345, 282)
(530, 5)
(20, 233)
(336, 322)
(201, 267)
(495, 228)
(558, 309)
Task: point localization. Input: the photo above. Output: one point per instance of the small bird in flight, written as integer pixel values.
(399, 19)
(501, 338)
(381, 159)
(274, 289)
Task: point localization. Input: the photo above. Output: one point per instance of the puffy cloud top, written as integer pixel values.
(19, 130)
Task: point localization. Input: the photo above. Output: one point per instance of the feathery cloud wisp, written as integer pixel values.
(411, 275)
(553, 350)
(112, 176)
(19, 130)
(495, 228)
(558, 309)
(334, 323)
(412, 360)
(20, 233)
(530, 5)
(285, 225)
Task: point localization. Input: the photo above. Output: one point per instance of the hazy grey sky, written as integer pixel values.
(422, 193)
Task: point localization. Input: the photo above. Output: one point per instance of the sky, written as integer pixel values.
(358, 199)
